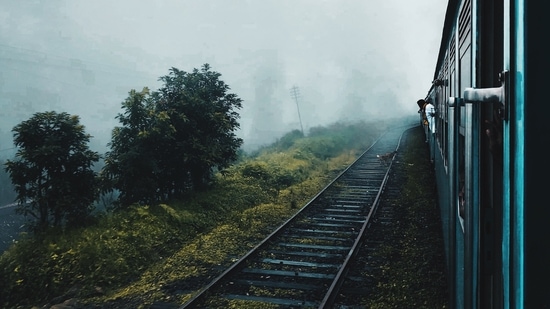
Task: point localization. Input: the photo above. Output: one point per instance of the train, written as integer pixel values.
(488, 147)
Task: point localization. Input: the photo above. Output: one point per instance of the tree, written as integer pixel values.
(204, 117)
(52, 170)
(173, 139)
(131, 164)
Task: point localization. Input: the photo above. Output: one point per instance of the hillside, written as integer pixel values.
(148, 253)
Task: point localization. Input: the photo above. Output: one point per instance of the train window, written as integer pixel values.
(443, 116)
(465, 81)
(465, 74)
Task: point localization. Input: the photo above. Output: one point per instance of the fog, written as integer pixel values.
(349, 60)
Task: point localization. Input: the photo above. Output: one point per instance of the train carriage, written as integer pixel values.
(487, 91)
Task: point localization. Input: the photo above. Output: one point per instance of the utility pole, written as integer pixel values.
(295, 93)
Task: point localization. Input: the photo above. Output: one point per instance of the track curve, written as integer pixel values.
(304, 261)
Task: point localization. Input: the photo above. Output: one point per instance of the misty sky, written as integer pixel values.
(350, 59)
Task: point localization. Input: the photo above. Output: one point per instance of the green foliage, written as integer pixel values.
(413, 274)
(287, 140)
(109, 254)
(139, 251)
(173, 140)
(205, 119)
(320, 147)
(275, 173)
(52, 172)
(130, 166)
(350, 135)
(263, 216)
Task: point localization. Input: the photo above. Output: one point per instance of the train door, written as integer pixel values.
(504, 262)
(483, 157)
(479, 27)
(461, 240)
(525, 250)
(465, 164)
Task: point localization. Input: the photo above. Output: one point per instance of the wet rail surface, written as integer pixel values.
(304, 262)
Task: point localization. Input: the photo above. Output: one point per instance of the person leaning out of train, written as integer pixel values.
(429, 110)
(428, 117)
(422, 110)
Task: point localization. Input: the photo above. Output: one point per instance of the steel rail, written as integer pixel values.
(337, 279)
(239, 262)
(332, 292)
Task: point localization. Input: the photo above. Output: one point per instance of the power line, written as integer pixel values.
(295, 93)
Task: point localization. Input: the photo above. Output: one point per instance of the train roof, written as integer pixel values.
(452, 9)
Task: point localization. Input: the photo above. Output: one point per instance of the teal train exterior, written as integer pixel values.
(489, 152)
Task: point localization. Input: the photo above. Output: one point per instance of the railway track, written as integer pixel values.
(366, 270)
(305, 261)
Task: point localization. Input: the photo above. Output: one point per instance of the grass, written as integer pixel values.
(413, 275)
(166, 252)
